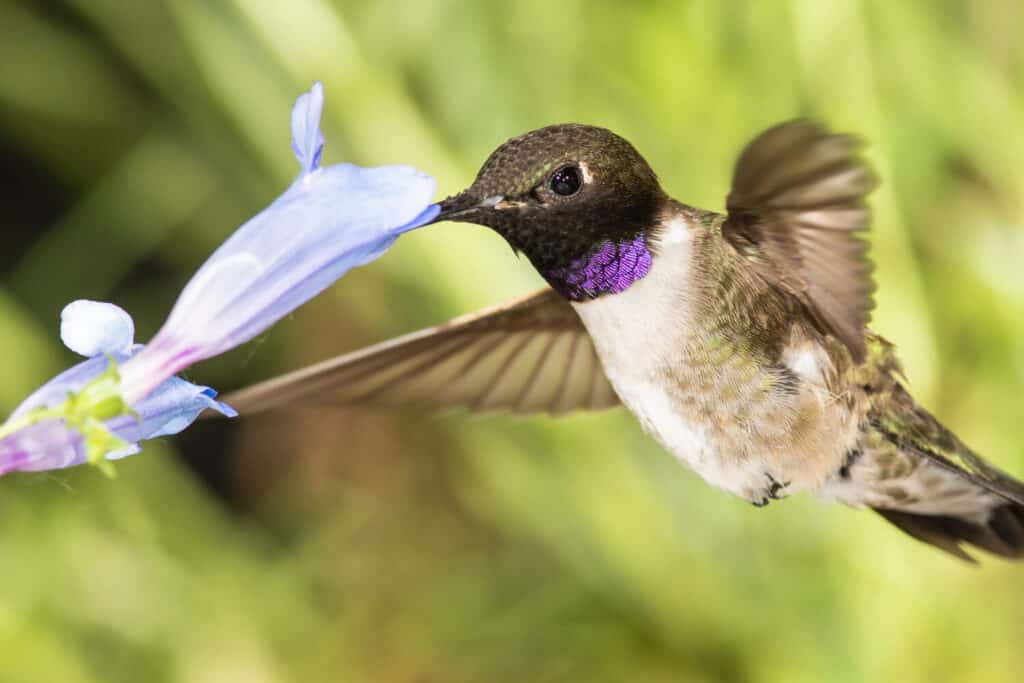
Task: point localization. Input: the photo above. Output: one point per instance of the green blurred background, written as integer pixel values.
(379, 547)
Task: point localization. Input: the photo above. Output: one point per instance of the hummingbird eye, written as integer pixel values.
(566, 181)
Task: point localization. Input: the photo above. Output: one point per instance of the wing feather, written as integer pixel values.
(796, 204)
(531, 355)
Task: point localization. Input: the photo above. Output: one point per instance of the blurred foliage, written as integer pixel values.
(374, 547)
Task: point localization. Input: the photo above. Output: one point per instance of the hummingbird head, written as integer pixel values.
(578, 201)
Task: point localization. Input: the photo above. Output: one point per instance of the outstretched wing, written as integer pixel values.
(796, 204)
(531, 355)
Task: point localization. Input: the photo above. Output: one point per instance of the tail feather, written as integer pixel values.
(1002, 534)
(919, 476)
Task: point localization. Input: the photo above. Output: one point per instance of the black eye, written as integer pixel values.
(566, 181)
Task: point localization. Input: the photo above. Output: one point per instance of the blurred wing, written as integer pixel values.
(531, 355)
(796, 204)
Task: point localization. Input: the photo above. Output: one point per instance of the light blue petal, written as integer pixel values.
(343, 217)
(45, 445)
(330, 220)
(307, 140)
(91, 328)
(326, 223)
(133, 449)
(172, 407)
(428, 214)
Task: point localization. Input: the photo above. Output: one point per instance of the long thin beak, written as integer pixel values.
(459, 206)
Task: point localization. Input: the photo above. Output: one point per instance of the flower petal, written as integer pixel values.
(428, 214)
(45, 445)
(90, 328)
(172, 407)
(326, 223)
(307, 140)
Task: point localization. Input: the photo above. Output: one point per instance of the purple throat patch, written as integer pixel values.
(611, 268)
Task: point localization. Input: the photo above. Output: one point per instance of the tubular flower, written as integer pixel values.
(329, 220)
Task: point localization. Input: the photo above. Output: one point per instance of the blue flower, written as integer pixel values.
(330, 220)
(49, 430)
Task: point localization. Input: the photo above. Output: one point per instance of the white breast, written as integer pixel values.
(640, 332)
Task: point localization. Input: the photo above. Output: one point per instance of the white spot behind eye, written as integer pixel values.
(587, 175)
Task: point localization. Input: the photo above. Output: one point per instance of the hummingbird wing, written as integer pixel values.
(530, 355)
(796, 204)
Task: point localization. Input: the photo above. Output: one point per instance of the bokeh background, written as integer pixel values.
(357, 546)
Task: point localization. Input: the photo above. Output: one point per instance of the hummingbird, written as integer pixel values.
(739, 340)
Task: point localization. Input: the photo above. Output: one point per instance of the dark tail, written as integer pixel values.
(977, 503)
(1002, 534)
